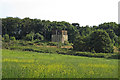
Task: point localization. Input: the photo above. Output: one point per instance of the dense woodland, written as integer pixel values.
(99, 38)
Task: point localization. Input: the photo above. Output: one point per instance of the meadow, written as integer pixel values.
(28, 64)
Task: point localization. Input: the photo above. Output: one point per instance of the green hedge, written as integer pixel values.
(89, 54)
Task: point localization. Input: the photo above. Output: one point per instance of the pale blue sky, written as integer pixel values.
(84, 12)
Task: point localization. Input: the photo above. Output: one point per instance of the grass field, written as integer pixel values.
(26, 64)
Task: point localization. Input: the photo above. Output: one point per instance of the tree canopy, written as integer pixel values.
(85, 36)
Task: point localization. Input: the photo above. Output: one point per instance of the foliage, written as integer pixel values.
(30, 36)
(90, 54)
(101, 42)
(109, 25)
(118, 30)
(41, 44)
(52, 43)
(66, 43)
(93, 51)
(119, 40)
(31, 29)
(49, 47)
(2, 38)
(6, 38)
(112, 35)
(79, 44)
(21, 27)
(38, 36)
(13, 38)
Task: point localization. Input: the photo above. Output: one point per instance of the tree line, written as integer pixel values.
(19, 28)
(82, 35)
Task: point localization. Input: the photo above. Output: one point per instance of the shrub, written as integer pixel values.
(6, 38)
(93, 51)
(38, 36)
(36, 41)
(87, 54)
(41, 44)
(5, 45)
(3, 39)
(30, 43)
(52, 43)
(66, 43)
(13, 38)
(30, 36)
(23, 43)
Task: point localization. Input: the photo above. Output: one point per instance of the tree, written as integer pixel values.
(101, 42)
(10, 26)
(85, 31)
(109, 25)
(118, 30)
(112, 35)
(20, 28)
(119, 40)
(79, 44)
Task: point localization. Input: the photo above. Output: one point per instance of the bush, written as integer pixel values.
(30, 43)
(42, 44)
(30, 36)
(5, 45)
(13, 38)
(66, 43)
(6, 38)
(23, 43)
(38, 36)
(3, 39)
(52, 44)
(93, 51)
(87, 54)
(36, 41)
(114, 56)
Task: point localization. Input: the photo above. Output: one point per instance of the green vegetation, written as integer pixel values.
(52, 47)
(101, 42)
(24, 64)
(90, 52)
(12, 39)
(36, 29)
(6, 38)
(98, 41)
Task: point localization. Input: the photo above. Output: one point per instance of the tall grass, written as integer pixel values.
(25, 64)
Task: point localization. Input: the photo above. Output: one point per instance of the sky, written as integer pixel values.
(84, 12)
